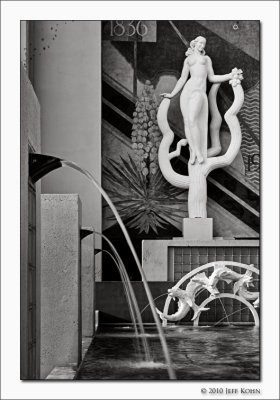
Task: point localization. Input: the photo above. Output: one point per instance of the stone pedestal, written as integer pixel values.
(198, 229)
(88, 279)
(169, 260)
(60, 281)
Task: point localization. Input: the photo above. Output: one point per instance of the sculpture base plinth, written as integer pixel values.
(198, 228)
(169, 260)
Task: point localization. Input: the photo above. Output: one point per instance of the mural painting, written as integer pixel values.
(141, 60)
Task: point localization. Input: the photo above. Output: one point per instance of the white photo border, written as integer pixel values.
(12, 12)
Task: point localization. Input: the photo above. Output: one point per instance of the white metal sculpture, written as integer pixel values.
(186, 300)
(194, 107)
(199, 281)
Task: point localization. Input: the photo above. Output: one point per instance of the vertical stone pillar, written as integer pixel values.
(67, 80)
(154, 260)
(88, 280)
(60, 281)
(30, 140)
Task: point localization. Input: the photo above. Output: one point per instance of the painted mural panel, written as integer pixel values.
(141, 60)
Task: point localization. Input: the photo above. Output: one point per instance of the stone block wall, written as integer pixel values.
(60, 281)
(88, 280)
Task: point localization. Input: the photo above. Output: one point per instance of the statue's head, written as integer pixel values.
(176, 292)
(198, 44)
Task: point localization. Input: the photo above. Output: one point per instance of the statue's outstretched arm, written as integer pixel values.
(180, 83)
(216, 78)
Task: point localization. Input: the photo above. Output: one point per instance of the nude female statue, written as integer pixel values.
(193, 100)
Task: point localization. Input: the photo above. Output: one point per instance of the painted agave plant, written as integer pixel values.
(144, 202)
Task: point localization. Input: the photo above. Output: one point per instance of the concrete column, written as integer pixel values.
(60, 281)
(67, 81)
(30, 141)
(88, 280)
(154, 259)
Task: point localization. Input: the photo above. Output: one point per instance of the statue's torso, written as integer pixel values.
(198, 74)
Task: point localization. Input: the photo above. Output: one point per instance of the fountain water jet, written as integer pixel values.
(130, 306)
(225, 311)
(40, 165)
(72, 165)
(229, 315)
(130, 292)
(154, 299)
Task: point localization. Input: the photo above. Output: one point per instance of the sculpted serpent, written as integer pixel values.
(186, 298)
(186, 301)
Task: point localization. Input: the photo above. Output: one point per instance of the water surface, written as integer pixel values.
(204, 353)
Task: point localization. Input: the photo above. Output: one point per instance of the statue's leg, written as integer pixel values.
(195, 104)
(184, 104)
(189, 139)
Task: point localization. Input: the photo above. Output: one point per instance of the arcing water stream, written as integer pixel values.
(74, 166)
(132, 302)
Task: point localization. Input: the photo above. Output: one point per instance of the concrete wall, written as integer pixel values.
(158, 261)
(30, 137)
(112, 304)
(88, 279)
(67, 80)
(61, 281)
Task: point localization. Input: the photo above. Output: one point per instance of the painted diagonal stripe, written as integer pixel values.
(117, 110)
(235, 208)
(237, 188)
(233, 196)
(115, 119)
(117, 99)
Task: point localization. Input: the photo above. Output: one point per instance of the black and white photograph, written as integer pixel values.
(141, 205)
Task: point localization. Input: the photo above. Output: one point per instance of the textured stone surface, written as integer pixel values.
(198, 228)
(88, 273)
(154, 259)
(60, 277)
(63, 373)
(29, 137)
(68, 372)
(98, 270)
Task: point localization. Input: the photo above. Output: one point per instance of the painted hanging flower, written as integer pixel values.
(146, 135)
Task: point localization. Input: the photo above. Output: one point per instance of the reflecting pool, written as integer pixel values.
(204, 353)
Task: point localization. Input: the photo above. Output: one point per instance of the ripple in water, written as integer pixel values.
(208, 353)
(147, 364)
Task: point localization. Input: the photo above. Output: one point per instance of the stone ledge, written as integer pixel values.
(216, 242)
(68, 372)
